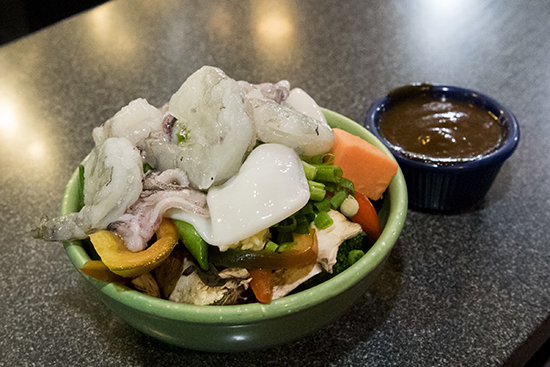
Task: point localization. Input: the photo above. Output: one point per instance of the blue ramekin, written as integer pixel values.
(450, 186)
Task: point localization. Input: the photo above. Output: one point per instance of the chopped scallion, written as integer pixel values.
(316, 190)
(338, 199)
(283, 237)
(302, 224)
(310, 170)
(323, 206)
(323, 220)
(328, 173)
(271, 246)
(287, 225)
(347, 185)
(286, 246)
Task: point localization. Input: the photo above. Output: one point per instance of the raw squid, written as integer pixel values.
(113, 181)
(301, 101)
(213, 131)
(251, 201)
(134, 122)
(199, 141)
(288, 117)
(277, 92)
(161, 191)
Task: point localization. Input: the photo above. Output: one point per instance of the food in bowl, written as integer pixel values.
(449, 141)
(228, 195)
(231, 328)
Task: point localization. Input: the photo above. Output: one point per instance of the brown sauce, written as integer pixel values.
(439, 129)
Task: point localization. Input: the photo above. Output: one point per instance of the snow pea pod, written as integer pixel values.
(193, 242)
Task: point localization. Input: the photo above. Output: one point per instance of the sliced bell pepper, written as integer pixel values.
(302, 254)
(98, 270)
(367, 217)
(121, 261)
(261, 284)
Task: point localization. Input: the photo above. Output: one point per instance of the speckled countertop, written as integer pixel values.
(458, 290)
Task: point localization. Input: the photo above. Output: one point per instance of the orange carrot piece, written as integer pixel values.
(368, 168)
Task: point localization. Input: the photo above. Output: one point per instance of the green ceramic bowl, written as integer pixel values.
(253, 326)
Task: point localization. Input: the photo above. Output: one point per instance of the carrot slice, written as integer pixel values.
(368, 168)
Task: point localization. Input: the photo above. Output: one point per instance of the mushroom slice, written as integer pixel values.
(147, 284)
(191, 288)
(328, 240)
(285, 281)
(169, 271)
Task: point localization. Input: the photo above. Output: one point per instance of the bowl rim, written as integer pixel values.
(255, 312)
(496, 157)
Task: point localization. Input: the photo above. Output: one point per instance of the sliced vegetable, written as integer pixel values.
(147, 284)
(323, 206)
(325, 158)
(338, 199)
(120, 260)
(366, 216)
(261, 284)
(146, 167)
(309, 170)
(349, 207)
(330, 239)
(370, 169)
(98, 270)
(271, 246)
(286, 246)
(323, 220)
(328, 173)
(193, 242)
(287, 225)
(301, 254)
(317, 190)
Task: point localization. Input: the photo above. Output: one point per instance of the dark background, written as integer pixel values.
(21, 17)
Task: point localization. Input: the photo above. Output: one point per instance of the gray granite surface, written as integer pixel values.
(459, 290)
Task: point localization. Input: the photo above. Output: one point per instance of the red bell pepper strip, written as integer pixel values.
(367, 217)
(261, 284)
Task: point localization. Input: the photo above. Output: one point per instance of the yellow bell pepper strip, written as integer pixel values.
(121, 261)
(98, 270)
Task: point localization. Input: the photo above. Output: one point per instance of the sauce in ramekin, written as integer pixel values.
(439, 129)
